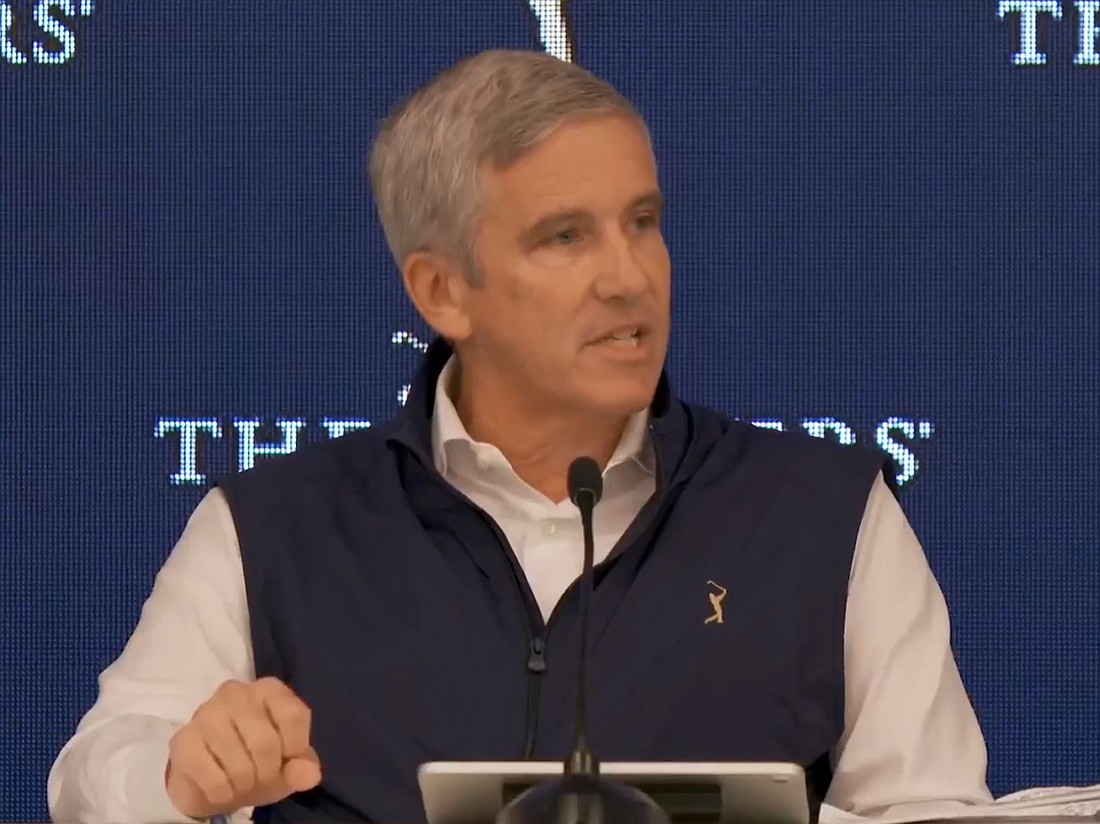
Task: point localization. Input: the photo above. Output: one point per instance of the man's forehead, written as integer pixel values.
(587, 145)
(532, 196)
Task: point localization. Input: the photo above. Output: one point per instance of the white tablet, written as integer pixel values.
(473, 792)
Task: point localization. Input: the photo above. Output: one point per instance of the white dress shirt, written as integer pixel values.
(911, 736)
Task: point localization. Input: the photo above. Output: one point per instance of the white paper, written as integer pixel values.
(1037, 802)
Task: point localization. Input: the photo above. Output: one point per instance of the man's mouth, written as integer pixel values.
(630, 338)
(625, 336)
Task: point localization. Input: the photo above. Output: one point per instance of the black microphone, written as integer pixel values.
(582, 796)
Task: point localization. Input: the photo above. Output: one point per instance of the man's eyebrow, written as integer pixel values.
(548, 221)
(653, 199)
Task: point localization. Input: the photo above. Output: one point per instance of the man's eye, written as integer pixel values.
(565, 237)
(646, 220)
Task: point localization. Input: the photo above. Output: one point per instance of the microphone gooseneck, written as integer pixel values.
(581, 795)
(585, 483)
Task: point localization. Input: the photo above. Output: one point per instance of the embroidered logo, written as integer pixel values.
(716, 596)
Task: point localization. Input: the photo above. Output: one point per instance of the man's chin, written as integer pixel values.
(621, 398)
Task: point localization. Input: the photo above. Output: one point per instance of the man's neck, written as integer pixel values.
(538, 443)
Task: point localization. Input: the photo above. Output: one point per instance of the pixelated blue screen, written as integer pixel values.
(884, 219)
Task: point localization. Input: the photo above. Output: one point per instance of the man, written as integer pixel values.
(330, 620)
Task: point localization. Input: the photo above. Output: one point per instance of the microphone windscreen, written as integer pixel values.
(585, 476)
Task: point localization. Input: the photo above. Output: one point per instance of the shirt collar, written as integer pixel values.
(447, 429)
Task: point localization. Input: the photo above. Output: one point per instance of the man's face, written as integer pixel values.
(573, 306)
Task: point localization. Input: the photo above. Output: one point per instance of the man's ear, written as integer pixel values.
(438, 288)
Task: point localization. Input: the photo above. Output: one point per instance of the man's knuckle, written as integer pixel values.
(185, 744)
(269, 689)
(261, 738)
(230, 687)
(213, 724)
(290, 712)
(212, 709)
(267, 741)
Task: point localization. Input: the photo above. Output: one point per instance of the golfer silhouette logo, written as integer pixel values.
(717, 595)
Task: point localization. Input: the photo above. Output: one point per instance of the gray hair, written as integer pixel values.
(493, 107)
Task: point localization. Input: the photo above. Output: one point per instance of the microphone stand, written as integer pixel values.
(578, 808)
(582, 796)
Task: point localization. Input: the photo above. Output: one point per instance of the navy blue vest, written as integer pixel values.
(396, 609)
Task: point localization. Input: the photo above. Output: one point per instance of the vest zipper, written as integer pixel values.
(536, 644)
(536, 666)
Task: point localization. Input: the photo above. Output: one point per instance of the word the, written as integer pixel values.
(56, 44)
(193, 437)
(193, 434)
(1088, 29)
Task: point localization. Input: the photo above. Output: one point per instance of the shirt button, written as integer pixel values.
(483, 461)
(549, 527)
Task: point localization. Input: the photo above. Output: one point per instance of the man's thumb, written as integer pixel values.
(302, 772)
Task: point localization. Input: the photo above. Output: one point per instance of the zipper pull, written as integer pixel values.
(536, 662)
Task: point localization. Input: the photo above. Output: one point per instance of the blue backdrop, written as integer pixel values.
(885, 227)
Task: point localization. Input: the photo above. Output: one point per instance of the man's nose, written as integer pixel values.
(621, 274)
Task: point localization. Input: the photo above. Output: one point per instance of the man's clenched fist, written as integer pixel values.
(248, 745)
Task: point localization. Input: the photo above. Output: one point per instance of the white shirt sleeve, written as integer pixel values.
(193, 634)
(911, 736)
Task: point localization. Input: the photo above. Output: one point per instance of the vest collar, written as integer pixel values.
(668, 422)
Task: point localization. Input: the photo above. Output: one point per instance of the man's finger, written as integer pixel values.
(303, 772)
(225, 745)
(201, 778)
(288, 713)
(262, 741)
